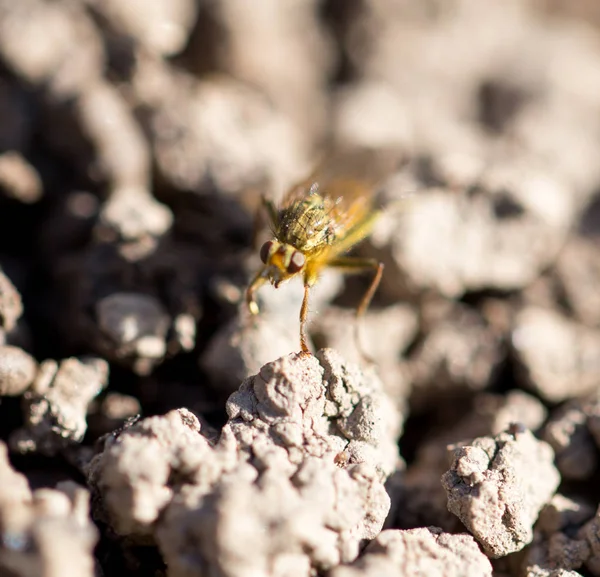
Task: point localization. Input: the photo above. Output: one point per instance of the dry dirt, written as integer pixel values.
(150, 426)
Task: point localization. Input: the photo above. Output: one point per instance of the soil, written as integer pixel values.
(150, 425)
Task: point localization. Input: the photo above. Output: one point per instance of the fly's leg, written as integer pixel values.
(256, 283)
(356, 265)
(260, 278)
(311, 275)
(368, 296)
(303, 316)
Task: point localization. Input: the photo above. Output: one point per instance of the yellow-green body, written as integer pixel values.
(317, 223)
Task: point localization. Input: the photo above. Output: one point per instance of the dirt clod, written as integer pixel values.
(497, 487)
(453, 427)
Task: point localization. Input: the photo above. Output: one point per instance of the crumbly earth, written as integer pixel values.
(149, 425)
(497, 486)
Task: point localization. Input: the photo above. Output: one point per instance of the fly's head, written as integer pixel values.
(282, 261)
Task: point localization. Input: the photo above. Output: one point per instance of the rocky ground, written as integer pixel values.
(150, 426)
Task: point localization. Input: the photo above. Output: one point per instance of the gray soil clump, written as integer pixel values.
(151, 425)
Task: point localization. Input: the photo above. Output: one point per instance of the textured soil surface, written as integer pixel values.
(150, 426)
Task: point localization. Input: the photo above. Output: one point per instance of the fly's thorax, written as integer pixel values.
(306, 224)
(282, 260)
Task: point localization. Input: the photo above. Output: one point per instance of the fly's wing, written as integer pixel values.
(346, 174)
(348, 202)
(351, 181)
(353, 216)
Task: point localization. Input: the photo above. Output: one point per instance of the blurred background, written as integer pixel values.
(136, 138)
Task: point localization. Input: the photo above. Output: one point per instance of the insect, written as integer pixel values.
(320, 219)
(342, 459)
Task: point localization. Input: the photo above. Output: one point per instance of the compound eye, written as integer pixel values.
(296, 262)
(265, 250)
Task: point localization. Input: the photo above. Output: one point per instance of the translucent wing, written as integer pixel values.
(348, 181)
(365, 167)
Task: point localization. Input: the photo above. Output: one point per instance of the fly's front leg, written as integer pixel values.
(303, 316)
(256, 283)
(311, 275)
(356, 265)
